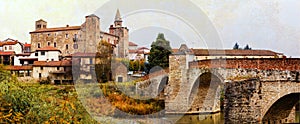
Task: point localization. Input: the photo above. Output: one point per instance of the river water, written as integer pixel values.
(217, 118)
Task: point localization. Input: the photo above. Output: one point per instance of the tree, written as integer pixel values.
(247, 47)
(103, 61)
(159, 52)
(236, 46)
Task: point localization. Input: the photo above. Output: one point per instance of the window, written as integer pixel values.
(120, 79)
(40, 75)
(91, 61)
(49, 43)
(38, 26)
(5, 48)
(43, 53)
(67, 35)
(42, 68)
(39, 45)
(36, 54)
(75, 46)
(10, 48)
(57, 68)
(67, 46)
(52, 59)
(48, 34)
(54, 44)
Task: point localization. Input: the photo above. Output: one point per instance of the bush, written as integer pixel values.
(45, 80)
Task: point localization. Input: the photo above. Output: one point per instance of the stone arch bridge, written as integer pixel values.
(254, 90)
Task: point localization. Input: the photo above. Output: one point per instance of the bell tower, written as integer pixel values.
(122, 33)
(40, 24)
(118, 19)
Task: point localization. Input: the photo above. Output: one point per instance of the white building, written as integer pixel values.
(59, 72)
(24, 59)
(11, 45)
(47, 53)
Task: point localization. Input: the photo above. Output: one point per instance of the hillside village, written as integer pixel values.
(51, 51)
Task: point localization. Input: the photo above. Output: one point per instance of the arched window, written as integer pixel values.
(39, 45)
(49, 43)
(54, 44)
(67, 46)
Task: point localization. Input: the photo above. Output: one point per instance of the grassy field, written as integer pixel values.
(31, 102)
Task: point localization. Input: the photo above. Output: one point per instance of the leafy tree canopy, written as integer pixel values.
(160, 51)
(236, 46)
(247, 47)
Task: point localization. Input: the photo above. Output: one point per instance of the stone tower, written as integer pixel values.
(122, 33)
(40, 24)
(90, 33)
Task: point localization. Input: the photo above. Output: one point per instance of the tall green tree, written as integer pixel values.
(103, 61)
(247, 47)
(236, 46)
(159, 53)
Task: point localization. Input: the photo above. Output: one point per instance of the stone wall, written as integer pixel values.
(254, 101)
(57, 39)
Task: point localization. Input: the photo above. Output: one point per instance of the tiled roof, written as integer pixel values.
(53, 63)
(16, 68)
(57, 29)
(132, 44)
(132, 51)
(27, 45)
(141, 48)
(23, 54)
(47, 48)
(109, 34)
(228, 52)
(8, 43)
(6, 53)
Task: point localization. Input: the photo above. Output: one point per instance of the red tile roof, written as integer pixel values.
(57, 29)
(132, 44)
(8, 43)
(47, 48)
(141, 48)
(228, 52)
(23, 54)
(27, 45)
(16, 68)
(53, 63)
(6, 53)
(132, 51)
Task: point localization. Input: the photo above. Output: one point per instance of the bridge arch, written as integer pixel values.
(162, 86)
(280, 110)
(204, 94)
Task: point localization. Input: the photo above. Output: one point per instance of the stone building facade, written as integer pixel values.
(84, 38)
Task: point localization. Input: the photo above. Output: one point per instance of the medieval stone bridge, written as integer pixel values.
(253, 90)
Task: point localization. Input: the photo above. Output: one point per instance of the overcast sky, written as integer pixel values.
(263, 24)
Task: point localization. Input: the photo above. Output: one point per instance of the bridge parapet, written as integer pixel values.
(291, 64)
